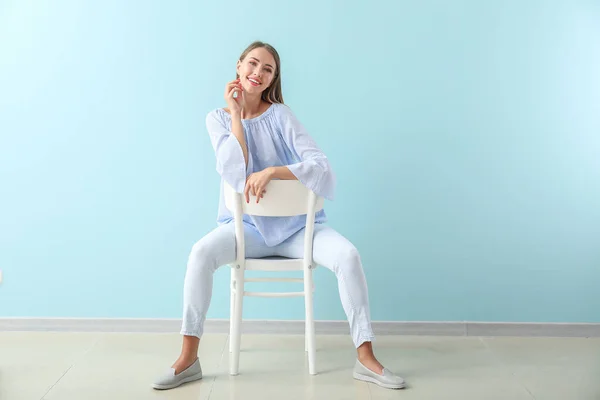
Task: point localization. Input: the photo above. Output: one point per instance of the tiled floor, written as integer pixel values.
(90, 366)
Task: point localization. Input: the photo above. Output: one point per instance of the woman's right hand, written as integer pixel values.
(234, 103)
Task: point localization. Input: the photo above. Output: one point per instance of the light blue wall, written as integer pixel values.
(465, 136)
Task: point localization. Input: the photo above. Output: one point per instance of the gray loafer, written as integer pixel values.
(388, 380)
(169, 380)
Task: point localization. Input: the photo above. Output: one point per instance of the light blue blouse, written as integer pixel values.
(274, 138)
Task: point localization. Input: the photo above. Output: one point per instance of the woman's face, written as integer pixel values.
(256, 71)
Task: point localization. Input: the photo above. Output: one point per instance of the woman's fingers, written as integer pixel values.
(259, 191)
(232, 91)
(247, 191)
(233, 85)
(254, 189)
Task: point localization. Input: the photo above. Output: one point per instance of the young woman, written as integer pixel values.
(257, 139)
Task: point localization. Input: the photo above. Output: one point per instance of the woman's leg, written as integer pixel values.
(207, 255)
(335, 252)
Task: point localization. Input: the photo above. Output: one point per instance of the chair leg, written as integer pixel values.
(305, 336)
(306, 330)
(234, 358)
(310, 321)
(231, 309)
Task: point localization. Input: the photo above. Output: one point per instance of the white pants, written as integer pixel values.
(330, 249)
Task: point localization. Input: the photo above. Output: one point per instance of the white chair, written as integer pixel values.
(283, 198)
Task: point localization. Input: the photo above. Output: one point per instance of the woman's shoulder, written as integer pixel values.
(280, 107)
(220, 112)
(217, 114)
(282, 111)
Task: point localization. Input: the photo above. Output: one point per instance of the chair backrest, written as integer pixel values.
(283, 198)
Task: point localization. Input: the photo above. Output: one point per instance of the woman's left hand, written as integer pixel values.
(256, 184)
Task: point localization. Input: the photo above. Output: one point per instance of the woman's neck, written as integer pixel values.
(252, 107)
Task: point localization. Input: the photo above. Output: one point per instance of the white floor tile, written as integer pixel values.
(122, 366)
(68, 366)
(32, 362)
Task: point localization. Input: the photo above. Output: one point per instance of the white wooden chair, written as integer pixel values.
(283, 198)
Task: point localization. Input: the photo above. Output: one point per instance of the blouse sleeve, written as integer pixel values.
(230, 157)
(313, 168)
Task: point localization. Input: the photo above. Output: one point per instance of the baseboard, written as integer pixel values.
(297, 327)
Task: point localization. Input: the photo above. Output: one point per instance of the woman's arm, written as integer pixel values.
(238, 131)
(231, 157)
(282, 173)
(313, 168)
(235, 109)
(230, 146)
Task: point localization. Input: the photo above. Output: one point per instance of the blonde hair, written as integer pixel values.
(273, 93)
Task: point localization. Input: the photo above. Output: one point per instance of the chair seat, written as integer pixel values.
(273, 258)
